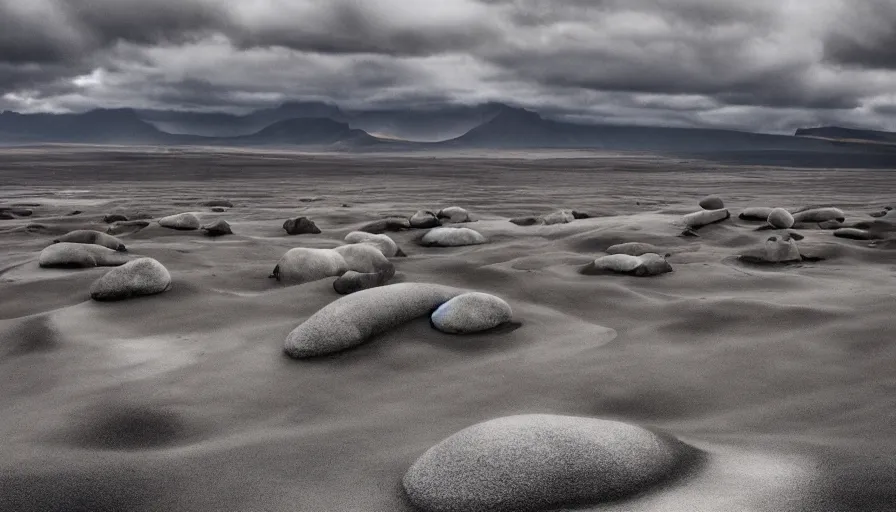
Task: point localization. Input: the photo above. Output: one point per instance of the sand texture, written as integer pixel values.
(781, 375)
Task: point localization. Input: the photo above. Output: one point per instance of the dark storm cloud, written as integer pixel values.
(759, 64)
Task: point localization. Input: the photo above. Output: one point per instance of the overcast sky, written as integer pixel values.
(767, 65)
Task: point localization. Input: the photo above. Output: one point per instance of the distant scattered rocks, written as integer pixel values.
(127, 227)
(352, 282)
(633, 249)
(712, 203)
(452, 237)
(779, 218)
(649, 264)
(540, 462)
(855, 234)
(143, 276)
(454, 214)
(114, 217)
(219, 227)
(180, 221)
(703, 218)
(382, 242)
(218, 203)
(353, 319)
(424, 219)
(388, 224)
(820, 215)
(471, 313)
(87, 236)
(756, 213)
(311, 199)
(301, 226)
(777, 249)
(79, 255)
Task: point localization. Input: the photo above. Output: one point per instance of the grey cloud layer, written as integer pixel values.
(761, 64)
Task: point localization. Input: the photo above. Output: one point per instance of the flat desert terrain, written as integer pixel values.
(782, 377)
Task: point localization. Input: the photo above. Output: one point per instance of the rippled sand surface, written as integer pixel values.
(785, 376)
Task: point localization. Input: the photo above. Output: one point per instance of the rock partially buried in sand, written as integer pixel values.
(712, 203)
(454, 214)
(697, 220)
(452, 237)
(541, 462)
(129, 226)
(819, 215)
(424, 220)
(6, 216)
(855, 234)
(219, 209)
(779, 218)
(76, 255)
(114, 217)
(559, 217)
(777, 249)
(470, 313)
(353, 319)
(220, 203)
(218, 228)
(633, 249)
(87, 236)
(300, 226)
(143, 276)
(649, 264)
(382, 242)
(830, 224)
(383, 225)
(526, 221)
(304, 265)
(353, 282)
(181, 221)
(756, 213)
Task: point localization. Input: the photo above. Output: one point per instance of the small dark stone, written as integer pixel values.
(300, 226)
(219, 209)
(878, 214)
(21, 212)
(218, 228)
(345, 205)
(580, 215)
(76, 212)
(689, 233)
(6, 216)
(525, 221)
(796, 236)
(114, 217)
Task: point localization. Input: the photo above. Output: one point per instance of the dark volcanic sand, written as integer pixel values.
(785, 376)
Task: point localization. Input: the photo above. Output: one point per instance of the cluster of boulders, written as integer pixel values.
(557, 217)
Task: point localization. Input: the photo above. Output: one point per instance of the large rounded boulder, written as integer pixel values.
(454, 214)
(89, 236)
(301, 226)
(143, 276)
(304, 265)
(540, 462)
(217, 228)
(470, 313)
(382, 242)
(424, 219)
(76, 255)
(452, 237)
(645, 265)
(779, 218)
(181, 221)
(712, 203)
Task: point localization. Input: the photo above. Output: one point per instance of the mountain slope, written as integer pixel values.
(848, 134)
(113, 126)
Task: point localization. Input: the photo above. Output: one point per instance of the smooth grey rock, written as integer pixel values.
(364, 258)
(424, 219)
(452, 237)
(301, 226)
(352, 282)
(114, 217)
(633, 249)
(88, 236)
(181, 221)
(712, 203)
(219, 227)
(454, 214)
(779, 218)
(382, 242)
(77, 255)
(384, 225)
(830, 224)
(471, 313)
(353, 319)
(756, 213)
(855, 234)
(143, 276)
(219, 209)
(649, 264)
(559, 217)
(697, 220)
(819, 215)
(540, 462)
(125, 227)
(527, 221)
(304, 265)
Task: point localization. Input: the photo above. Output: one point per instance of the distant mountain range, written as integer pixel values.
(487, 126)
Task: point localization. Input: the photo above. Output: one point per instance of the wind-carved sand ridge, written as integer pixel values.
(516, 373)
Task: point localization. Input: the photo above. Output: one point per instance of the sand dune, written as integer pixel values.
(783, 376)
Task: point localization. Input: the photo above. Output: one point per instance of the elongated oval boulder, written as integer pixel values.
(382, 242)
(304, 265)
(88, 236)
(353, 282)
(633, 249)
(470, 313)
(452, 237)
(649, 264)
(75, 255)
(424, 220)
(454, 214)
(777, 249)
(181, 221)
(353, 319)
(219, 227)
(819, 215)
(301, 226)
(855, 234)
(384, 225)
(760, 213)
(364, 258)
(830, 224)
(779, 218)
(540, 462)
(143, 276)
(712, 203)
(527, 221)
(704, 218)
